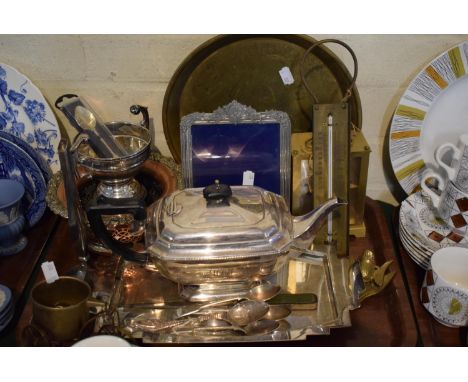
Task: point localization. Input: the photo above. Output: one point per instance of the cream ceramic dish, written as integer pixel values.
(102, 341)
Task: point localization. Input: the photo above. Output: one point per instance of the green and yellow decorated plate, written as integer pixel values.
(432, 111)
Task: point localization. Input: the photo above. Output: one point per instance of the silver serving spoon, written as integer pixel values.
(277, 312)
(218, 327)
(85, 118)
(261, 327)
(241, 314)
(247, 311)
(250, 309)
(261, 293)
(99, 133)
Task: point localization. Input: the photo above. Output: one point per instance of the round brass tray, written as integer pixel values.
(245, 68)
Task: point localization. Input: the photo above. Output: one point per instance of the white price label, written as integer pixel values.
(50, 273)
(286, 76)
(248, 178)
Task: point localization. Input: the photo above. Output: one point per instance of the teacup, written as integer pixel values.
(61, 307)
(457, 171)
(450, 202)
(11, 219)
(444, 292)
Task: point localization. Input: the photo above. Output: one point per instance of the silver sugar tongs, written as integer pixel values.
(76, 219)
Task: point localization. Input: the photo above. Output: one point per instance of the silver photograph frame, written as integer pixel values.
(237, 113)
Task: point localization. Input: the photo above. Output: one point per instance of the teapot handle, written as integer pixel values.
(98, 207)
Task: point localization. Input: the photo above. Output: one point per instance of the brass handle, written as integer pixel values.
(348, 92)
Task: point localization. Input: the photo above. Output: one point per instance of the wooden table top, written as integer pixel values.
(16, 270)
(383, 320)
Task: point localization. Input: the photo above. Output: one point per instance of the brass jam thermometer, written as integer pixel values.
(331, 150)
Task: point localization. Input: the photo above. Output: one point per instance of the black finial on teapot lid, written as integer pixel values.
(217, 194)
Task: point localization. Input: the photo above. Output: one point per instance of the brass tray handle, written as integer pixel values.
(348, 92)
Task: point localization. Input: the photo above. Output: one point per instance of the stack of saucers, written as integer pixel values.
(422, 232)
(6, 307)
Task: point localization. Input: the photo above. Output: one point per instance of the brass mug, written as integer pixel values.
(61, 308)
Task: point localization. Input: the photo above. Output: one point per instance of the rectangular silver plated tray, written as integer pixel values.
(320, 272)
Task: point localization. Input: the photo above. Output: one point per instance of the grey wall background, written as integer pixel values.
(115, 71)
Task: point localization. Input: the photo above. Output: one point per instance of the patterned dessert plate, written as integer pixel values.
(417, 241)
(6, 312)
(5, 297)
(432, 111)
(25, 113)
(5, 320)
(413, 242)
(419, 220)
(420, 258)
(16, 164)
(41, 162)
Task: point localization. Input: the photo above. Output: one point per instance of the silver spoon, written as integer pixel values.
(277, 312)
(283, 326)
(98, 132)
(261, 293)
(261, 327)
(217, 327)
(253, 328)
(148, 324)
(241, 314)
(85, 118)
(247, 311)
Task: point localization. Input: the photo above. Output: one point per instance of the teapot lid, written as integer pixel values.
(219, 222)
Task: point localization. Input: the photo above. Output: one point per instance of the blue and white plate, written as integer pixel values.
(7, 319)
(25, 113)
(41, 162)
(6, 313)
(5, 297)
(16, 164)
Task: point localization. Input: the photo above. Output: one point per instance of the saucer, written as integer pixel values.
(420, 220)
(5, 297)
(6, 313)
(7, 310)
(16, 164)
(415, 241)
(421, 259)
(4, 323)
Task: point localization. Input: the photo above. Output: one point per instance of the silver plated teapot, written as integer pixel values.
(217, 235)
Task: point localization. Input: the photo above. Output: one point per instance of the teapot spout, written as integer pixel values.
(306, 226)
